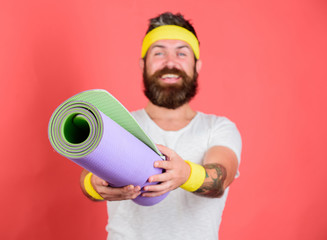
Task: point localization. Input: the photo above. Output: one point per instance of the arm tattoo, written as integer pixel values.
(213, 185)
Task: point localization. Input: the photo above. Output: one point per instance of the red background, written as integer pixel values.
(264, 66)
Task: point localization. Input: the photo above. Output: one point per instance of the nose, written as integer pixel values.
(170, 61)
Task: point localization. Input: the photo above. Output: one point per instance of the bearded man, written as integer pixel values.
(202, 151)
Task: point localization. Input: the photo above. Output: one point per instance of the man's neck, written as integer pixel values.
(170, 119)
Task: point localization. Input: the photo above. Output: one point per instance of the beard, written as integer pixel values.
(170, 96)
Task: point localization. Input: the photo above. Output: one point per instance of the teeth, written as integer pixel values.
(170, 76)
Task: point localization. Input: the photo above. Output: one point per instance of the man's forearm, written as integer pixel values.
(213, 185)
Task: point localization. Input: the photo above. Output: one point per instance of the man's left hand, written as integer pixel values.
(177, 171)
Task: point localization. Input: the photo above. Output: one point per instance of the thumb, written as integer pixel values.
(99, 181)
(166, 151)
(104, 183)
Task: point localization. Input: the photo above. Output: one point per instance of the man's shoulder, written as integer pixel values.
(139, 114)
(213, 118)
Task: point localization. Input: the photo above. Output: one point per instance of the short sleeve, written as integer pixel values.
(225, 133)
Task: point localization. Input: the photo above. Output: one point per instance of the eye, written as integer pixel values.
(182, 54)
(158, 53)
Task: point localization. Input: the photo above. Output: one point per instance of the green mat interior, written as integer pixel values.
(76, 129)
(111, 107)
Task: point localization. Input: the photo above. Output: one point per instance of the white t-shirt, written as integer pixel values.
(182, 214)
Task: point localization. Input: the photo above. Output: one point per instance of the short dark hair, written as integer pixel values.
(169, 18)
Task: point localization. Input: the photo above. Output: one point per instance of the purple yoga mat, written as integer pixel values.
(122, 159)
(106, 149)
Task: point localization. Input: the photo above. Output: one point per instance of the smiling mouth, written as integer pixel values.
(170, 78)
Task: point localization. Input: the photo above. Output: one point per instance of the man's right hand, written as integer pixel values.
(110, 193)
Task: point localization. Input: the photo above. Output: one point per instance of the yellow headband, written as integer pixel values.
(171, 32)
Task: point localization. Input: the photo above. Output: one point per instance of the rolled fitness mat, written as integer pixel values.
(94, 130)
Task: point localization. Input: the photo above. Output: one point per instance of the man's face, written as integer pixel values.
(170, 73)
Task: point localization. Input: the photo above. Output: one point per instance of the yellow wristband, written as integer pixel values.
(196, 178)
(89, 188)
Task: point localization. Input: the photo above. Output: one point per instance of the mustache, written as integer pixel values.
(167, 70)
(173, 96)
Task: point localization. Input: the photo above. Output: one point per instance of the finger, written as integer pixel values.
(104, 183)
(99, 181)
(154, 194)
(163, 164)
(121, 197)
(123, 193)
(131, 189)
(165, 150)
(159, 177)
(157, 187)
(131, 192)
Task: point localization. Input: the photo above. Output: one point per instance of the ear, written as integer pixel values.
(141, 63)
(198, 65)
